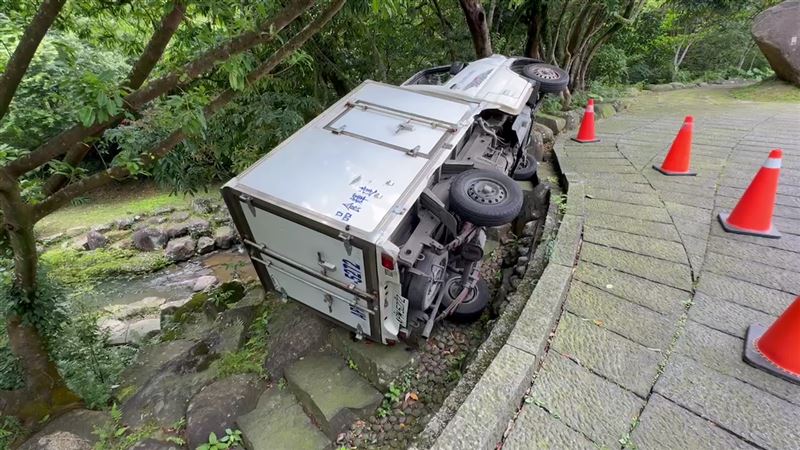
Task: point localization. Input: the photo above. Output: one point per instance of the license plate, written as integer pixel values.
(400, 309)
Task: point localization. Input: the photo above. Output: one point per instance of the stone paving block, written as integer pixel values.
(568, 241)
(538, 317)
(679, 190)
(534, 428)
(760, 298)
(658, 270)
(757, 253)
(481, 420)
(380, 364)
(595, 206)
(636, 198)
(330, 392)
(698, 198)
(601, 178)
(757, 416)
(657, 248)
(690, 213)
(687, 227)
(585, 402)
(576, 201)
(772, 277)
(607, 354)
(667, 426)
(658, 230)
(723, 353)
(786, 225)
(658, 297)
(788, 242)
(725, 316)
(279, 422)
(635, 322)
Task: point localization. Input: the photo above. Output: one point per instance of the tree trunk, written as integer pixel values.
(45, 392)
(536, 29)
(478, 28)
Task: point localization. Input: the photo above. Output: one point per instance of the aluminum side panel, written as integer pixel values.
(328, 300)
(315, 251)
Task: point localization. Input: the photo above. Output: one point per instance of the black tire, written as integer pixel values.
(526, 168)
(422, 289)
(472, 307)
(551, 79)
(487, 198)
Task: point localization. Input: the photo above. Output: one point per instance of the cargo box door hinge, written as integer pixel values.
(347, 241)
(249, 201)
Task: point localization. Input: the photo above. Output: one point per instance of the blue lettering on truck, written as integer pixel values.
(352, 271)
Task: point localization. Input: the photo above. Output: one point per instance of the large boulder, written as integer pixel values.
(180, 249)
(163, 398)
(71, 431)
(92, 241)
(149, 239)
(777, 32)
(205, 245)
(224, 237)
(219, 404)
(294, 333)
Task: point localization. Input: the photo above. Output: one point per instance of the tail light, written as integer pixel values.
(387, 261)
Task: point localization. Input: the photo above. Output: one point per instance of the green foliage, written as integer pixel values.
(83, 269)
(770, 90)
(68, 80)
(251, 357)
(89, 365)
(232, 438)
(114, 435)
(10, 431)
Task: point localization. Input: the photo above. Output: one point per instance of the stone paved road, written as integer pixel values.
(647, 353)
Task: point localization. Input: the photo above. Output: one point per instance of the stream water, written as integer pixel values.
(172, 283)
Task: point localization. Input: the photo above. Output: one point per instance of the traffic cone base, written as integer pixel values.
(674, 174)
(585, 141)
(772, 233)
(756, 359)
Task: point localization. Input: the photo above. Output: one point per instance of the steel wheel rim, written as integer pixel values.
(486, 191)
(454, 289)
(546, 73)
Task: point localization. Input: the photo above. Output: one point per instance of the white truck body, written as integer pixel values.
(317, 213)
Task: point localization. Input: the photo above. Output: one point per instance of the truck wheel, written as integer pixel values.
(424, 286)
(472, 307)
(526, 168)
(487, 198)
(551, 79)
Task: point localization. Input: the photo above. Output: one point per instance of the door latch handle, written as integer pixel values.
(330, 267)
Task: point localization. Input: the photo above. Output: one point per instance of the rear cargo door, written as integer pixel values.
(320, 253)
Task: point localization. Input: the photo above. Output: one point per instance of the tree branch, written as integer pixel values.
(26, 48)
(163, 148)
(150, 56)
(62, 142)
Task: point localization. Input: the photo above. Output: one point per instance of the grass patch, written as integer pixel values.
(73, 267)
(770, 90)
(115, 202)
(10, 430)
(250, 358)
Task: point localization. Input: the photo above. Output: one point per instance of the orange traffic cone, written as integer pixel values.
(777, 349)
(679, 155)
(586, 132)
(753, 214)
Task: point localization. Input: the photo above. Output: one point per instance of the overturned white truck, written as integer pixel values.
(374, 213)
